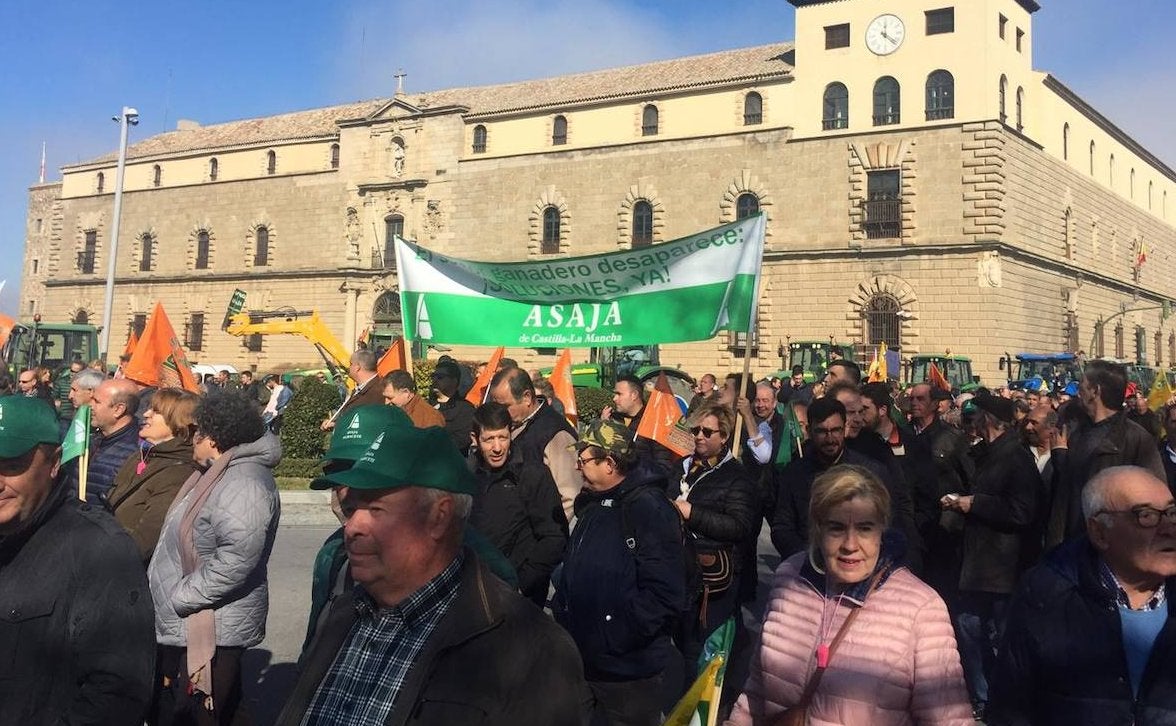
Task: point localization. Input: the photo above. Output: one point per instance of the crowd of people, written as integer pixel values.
(938, 557)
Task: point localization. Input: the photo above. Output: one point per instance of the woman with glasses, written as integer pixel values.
(208, 574)
(720, 505)
(850, 636)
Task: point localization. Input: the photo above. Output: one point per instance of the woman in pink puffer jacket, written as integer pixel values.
(897, 663)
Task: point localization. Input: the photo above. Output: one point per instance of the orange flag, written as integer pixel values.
(132, 341)
(561, 384)
(661, 418)
(6, 325)
(393, 359)
(158, 359)
(935, 378)
(477, 394)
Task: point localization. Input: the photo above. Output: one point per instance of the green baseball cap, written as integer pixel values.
(24, 423)
(612, 436)
(359, 426)
(406, 457)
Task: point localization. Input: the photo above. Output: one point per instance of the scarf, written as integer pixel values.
(201, 625)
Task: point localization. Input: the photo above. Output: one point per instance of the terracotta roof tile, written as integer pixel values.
(748, 64)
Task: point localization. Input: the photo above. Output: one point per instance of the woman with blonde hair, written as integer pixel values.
(850, 636)
(150, 479)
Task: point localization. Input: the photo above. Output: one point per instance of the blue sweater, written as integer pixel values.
(1140, 629)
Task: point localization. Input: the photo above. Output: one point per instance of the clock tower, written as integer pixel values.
(866, 66)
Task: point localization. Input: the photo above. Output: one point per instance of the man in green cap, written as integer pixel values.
(427, 635)
(77, 638)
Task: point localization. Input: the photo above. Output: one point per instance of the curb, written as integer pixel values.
(307, 509)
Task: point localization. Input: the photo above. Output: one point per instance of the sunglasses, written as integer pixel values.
(707, 433)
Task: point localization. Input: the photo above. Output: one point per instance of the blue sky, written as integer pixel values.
(69, 65)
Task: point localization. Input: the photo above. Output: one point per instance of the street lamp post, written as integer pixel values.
(129, 117)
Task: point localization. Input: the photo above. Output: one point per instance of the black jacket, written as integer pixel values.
(620, 604)
(1062, 660)
(459, 421)
(653, 453)
(494, 659)
(518, 509)
(724, 509)
(794, 485)
(1120, 442)
(77, 637)
(999, 532)
(1169, 465)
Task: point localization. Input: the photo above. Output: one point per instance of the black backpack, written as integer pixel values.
(693, 575)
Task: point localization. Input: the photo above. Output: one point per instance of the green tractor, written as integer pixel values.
(50, 345)
(957, 369)
(811, 355)
(606, 365)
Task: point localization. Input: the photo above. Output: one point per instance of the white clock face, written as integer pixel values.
(885, 34)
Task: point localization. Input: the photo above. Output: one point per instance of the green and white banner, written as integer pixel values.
(687, 289)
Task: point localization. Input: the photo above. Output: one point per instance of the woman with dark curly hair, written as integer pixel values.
(208, 574)
(148, 481)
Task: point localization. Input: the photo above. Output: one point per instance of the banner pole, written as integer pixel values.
(83, 471)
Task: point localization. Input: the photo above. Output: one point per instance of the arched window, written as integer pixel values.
(1020, 109)
(753, 109)
(1131, 186)
(747, 205)
(156, 175)
(101, 182)
(1111, 172)
(147, 251)
(882, 321)
(479, 139)
(386, 311)
(393, 228)
(213, 168)
(940, 96)
(1092, 158)
(202, 250)
(261, 248)
(1149, 196)
(271, 162)
(1066, 142)
(559, 131)
(551, 231)
(887, 101)
(649, 120)
(642, 224)
(334, 156)
(835, 109)
(81, 317)
(1004, 92)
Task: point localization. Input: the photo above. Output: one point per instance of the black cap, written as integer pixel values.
(1002, 408)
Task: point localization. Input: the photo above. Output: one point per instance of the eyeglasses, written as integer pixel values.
(707, 433)
(1145, 516)
(581, 462)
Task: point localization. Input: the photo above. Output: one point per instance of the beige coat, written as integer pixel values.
(897, 665)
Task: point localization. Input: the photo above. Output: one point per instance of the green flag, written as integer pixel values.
(791, 436)
(677, 291)
(77, 439)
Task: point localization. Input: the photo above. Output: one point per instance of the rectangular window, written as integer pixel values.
(940, 21)
(37, 225)
(883, 205)
(138, 323)
(1020, 37)
(253, 343)
(36, 266)
(737, 344)
(87, 257)
(836, 36)
(1003, 24)
(195, 337)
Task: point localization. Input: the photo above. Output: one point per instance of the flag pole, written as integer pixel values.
(83, 472)
(737, 449)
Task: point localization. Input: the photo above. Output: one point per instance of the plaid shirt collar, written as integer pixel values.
(1111, 583)
(421, 603)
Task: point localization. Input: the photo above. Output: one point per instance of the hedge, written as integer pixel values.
(297, 468)
(301, 436)
(589, 401)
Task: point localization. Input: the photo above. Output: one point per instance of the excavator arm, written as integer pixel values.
(304, 323)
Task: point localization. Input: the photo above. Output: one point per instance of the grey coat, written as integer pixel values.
(241, 515)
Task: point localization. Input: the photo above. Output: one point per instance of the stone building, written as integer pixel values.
(923, 185)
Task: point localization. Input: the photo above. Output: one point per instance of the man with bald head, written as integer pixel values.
(1090, 637)
(112, 413)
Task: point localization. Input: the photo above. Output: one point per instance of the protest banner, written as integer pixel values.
(683, 290)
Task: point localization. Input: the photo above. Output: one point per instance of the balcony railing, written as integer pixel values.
(835, 123)
(886, 119)
(939, 114)
(883, 218)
